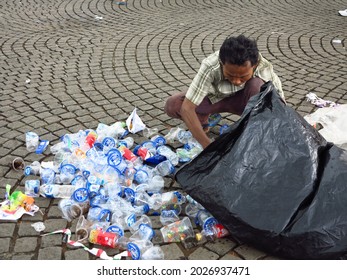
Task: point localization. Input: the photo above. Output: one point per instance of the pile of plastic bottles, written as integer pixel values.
(111, 186)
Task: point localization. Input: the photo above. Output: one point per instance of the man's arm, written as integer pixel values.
(190, 118)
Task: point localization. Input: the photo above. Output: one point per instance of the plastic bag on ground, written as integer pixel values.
(333, 120)
(274, 182)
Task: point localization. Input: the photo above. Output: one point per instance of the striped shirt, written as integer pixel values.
(210, 82)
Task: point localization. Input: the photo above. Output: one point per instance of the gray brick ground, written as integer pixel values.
(25, 244)
(79, 254)
(7, 230)
(4, 245)
(94, 72)
(50, 253)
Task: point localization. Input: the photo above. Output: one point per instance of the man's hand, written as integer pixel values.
(191, 119)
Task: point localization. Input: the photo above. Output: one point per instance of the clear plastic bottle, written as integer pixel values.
(212, 233)
(153, 253)
(210, 225)
(32, 141)
(154, 201)
(149, 132)
(71, 209)
(138, 247)
(47, 175)
(57, 191)
(165, 168)
(171, 136)
(144, 232)
(141, 176)
(168, 216)
(128, 142)
(33, 169)
(168, 153)
(158, 140)
(178, 231)
(184, 136)
(172, 197)
(144, 219)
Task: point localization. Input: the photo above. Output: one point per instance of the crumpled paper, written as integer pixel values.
(14, 215)
(134, 122)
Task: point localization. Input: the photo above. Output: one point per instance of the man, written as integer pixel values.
(224, 83)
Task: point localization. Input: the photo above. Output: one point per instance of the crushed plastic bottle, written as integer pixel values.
(153, 253)
(137, 248)
(168, 153)
(32, 141)
(184, 136)
(149, 132)
(57, 191)
(165, 168)
(210, 226)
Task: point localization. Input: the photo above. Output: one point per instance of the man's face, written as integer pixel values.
(238, 74)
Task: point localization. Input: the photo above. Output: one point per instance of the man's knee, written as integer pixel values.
(253, 85)
(173, 105)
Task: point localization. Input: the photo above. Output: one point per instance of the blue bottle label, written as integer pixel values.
(115, 229)
(80, 195)
(109, 142)
(68, 169)
(134, 251)
(130, 220)
(114, 158)
(209, 222)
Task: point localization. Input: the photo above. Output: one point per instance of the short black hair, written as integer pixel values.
(238, 50)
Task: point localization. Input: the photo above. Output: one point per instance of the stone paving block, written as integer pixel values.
(50, 253)
(172, 252)
(25, 244)
(23, 256)
(51, 240)
(249, 253)
(54, 212)
(221, 246)
(79, 82)
(26, 229)
(55, 224)
(4, 245)
(6, 230)
(231, 256)
(78, 254)
(202, 253)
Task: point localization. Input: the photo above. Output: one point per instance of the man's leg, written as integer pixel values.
(174, 103)
(236, 103)
(233, 104)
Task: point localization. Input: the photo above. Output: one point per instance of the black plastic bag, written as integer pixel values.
(274, 182)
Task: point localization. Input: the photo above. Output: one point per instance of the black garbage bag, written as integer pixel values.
(274, 182)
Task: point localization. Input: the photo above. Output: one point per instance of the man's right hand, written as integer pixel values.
(191, 120)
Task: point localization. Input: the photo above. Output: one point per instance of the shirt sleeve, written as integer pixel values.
(278, 84)
(267, 73)
(202, 82)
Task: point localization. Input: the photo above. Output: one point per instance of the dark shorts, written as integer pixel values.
(232, 104)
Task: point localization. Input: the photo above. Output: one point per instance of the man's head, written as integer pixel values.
(239, 57)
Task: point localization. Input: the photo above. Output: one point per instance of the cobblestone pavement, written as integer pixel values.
(70, 65)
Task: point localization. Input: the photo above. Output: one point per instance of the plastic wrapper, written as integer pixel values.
(274, 182)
